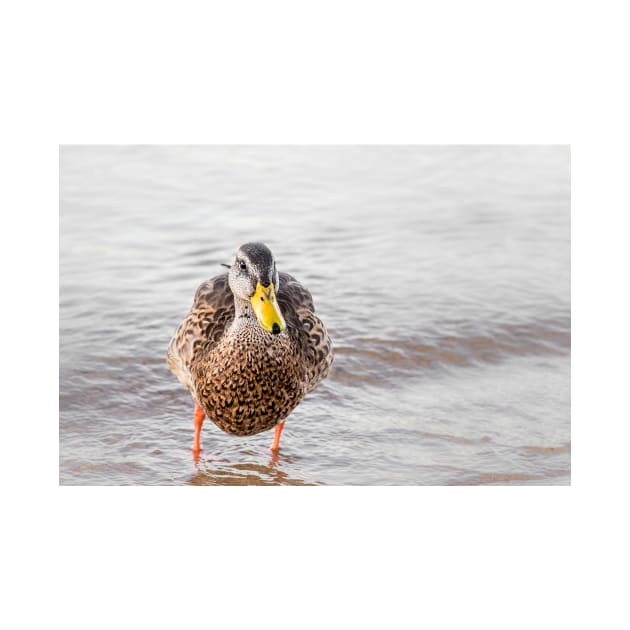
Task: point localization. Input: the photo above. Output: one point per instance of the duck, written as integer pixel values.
(250, 348)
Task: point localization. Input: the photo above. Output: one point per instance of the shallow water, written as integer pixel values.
(442, 274)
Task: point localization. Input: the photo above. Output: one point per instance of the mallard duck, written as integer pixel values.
(250, 348)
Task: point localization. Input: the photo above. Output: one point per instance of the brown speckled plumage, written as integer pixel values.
(245, 379)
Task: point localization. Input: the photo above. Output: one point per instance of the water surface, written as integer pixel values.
(442, 274)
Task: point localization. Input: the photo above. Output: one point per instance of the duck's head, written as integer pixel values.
(253, 277)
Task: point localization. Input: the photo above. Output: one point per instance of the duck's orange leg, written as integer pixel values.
(199, 416)
(276, 438)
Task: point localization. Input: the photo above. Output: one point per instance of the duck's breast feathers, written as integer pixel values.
(211, 313)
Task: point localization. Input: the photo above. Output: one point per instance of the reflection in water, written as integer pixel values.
(246, 474)
(442, 273)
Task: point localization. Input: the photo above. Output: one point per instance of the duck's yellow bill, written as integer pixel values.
(267, 309)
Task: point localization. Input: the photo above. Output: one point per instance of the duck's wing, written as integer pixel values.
(211, 313)
(293, 294)
(309, 332)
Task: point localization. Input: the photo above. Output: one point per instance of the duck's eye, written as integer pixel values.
(242, 265)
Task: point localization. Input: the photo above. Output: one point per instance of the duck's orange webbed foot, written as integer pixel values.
(276, 438)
